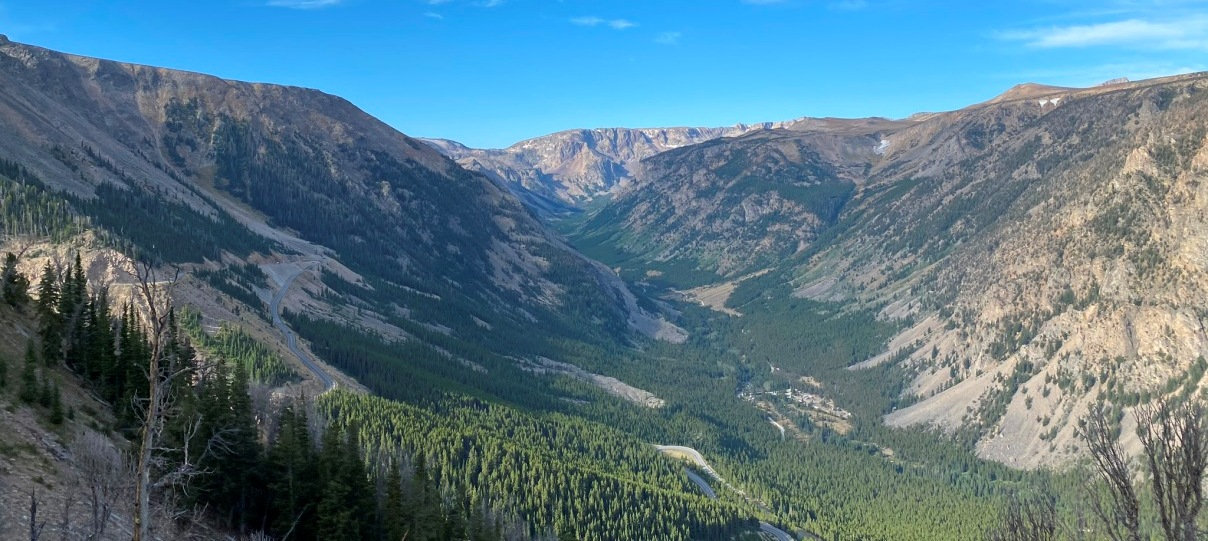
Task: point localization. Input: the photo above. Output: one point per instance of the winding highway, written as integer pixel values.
(291, 339)
(699, 460)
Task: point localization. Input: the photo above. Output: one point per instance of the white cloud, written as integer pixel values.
(433, 15)
(615, 24)
(489, 3)
(668, 38)
(1186, 33)
(586, 21)
(303, 4)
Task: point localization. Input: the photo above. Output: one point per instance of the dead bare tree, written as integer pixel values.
(1174, 440)
(157, 301)
(35, 528)
(103, 474)
(1028, 518)
(1122, 514)
(177, 463)
(1174, 435)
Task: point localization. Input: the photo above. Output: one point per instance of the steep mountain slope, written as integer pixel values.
(426, 284)
(732, 206)
(293, 173)
(560, 171)
(500, 358)
(1039, 250)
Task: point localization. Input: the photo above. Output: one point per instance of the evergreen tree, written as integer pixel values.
(50, 323)
(73, 297)
(335, 519)
(293, 477)
(393, 519)
(3, 374)
(360, 497)
(239, 466)
(29, 375)
(46, 395)
(423, 505)
(14, 286)
(134, 354)
(56, 407)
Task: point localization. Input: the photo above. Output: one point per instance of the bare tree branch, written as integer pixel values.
(1175, 440)
(1122, 516)
(35, 529)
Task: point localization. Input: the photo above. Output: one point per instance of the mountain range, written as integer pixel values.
(841, 315)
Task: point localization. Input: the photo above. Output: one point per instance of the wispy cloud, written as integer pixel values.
(615, 24)
(1185, 33)
(586, 21)
(433, 15)
(668, 38)
(489, 3)
(303, 4)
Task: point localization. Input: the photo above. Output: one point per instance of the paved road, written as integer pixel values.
(700, 482)
(694, 455)
(777, 533)
(699, 460)
(291, 339)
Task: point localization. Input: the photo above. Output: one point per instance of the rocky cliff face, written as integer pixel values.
(566, 169)
(1043, 249)
(732, 206)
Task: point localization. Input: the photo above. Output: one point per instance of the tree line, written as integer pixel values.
(277, 474)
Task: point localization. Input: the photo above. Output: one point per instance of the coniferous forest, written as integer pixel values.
(254, 312)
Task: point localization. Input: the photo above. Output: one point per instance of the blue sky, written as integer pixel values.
(492, 72)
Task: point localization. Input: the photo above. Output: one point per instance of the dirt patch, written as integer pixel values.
(715, 296)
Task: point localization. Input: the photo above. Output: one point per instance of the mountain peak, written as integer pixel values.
(1024, 91)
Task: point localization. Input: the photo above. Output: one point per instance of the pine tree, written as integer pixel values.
(56, 407)
(101, 345)
(334, 517)
(455, 520)
(360, 498)
(240, 465)
(3, 374)
(29, 375)
(424, 506)
(73, 296)
(50, 323)
(394, 521)
(293, 477)
(46, 395)
(14, 287)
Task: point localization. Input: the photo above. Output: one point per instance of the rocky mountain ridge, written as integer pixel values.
(564, 170)
(248, 172)
(1042, 249)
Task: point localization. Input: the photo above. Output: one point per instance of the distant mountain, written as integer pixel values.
(563, 170)
(1039, 250)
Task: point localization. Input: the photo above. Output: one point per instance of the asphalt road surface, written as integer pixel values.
(291, 339)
